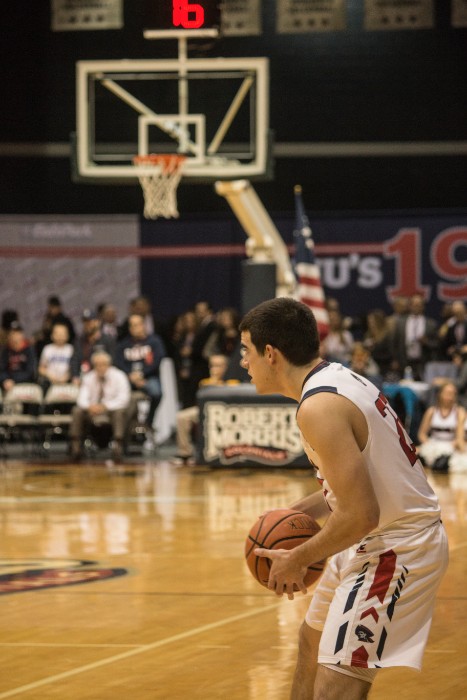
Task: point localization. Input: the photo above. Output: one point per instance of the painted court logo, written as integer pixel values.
(23, 575)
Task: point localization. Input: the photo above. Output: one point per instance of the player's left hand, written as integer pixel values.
(286, 575)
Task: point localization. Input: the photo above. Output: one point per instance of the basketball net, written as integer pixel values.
(160, 185)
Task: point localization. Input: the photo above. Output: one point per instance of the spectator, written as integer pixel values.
(9, 316)
(17, 359)
(188, 418)
(203, 346)
(363, 364)
(139, 355)
(228, 335)
(378, 342)
(441, 431)
(400, 309)
(142, 307)
(54, 315)
(55, 359)
(91, 340)
(455, 337)
(415, 339)
(108, 318)
(185, 332)
(104, 397)
(337, 345)
(446, 320)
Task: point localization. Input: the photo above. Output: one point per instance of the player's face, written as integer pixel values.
(255, 364)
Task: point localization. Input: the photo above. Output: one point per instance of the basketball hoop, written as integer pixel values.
(160, 183)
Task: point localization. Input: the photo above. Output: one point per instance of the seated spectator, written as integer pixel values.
(362, 363)
(441, 431)
(9, 316)
(337, 345)
(17, 359)
(139, 355)
(55, 359)
(108, 318)
(54, 315)
(377, 341)
(104, 397)
(188, 418)
(91, 340)
(140, 306)
(228, 335)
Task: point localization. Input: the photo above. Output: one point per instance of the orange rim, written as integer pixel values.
(166, 161)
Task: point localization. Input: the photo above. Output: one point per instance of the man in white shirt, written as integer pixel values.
(104, 397)
(415, 338)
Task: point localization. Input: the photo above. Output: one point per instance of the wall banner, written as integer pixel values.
(69, 256)
(305, 16)
(398, 14)
(75, 15)
(241, 17)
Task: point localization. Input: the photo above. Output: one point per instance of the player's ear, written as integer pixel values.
(270, 352)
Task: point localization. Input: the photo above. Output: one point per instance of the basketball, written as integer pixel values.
(280, 529)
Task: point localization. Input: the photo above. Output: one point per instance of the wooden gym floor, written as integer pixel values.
(181, 617)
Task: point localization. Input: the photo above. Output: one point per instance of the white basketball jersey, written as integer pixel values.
(444, 427)
(405, 498)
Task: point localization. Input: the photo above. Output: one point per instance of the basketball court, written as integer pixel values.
(131, 580)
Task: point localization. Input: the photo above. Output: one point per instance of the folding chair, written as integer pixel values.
(57, 407)
(21, 408)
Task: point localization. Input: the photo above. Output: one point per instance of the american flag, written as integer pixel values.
(309, 289)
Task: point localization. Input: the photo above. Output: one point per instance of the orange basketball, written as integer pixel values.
(280, 529)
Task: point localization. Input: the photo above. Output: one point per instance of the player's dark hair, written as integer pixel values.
(287, 325)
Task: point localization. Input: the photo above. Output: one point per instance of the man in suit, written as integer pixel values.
(415, 338)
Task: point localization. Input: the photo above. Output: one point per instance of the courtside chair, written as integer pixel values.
(55, 419)
(19, 421)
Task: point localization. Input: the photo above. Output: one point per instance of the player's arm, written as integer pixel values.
(313, 505)
(336, 430)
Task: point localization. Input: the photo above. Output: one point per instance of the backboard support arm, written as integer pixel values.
(264, 243)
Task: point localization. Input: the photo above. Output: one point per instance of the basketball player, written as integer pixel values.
(387, 548)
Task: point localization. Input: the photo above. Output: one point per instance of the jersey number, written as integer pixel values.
(383, 407)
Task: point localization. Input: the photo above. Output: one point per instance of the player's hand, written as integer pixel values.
(286, 575)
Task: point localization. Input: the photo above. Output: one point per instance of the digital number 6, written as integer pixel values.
(181, 15)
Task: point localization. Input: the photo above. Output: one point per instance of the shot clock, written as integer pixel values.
(183, 14)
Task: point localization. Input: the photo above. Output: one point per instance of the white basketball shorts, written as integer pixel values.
(374, 603)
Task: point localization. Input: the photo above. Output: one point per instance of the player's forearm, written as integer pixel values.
(313, 505)
(340, 531)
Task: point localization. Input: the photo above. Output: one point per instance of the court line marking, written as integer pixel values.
(133, 652)
(17, 500)
(65, 644)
